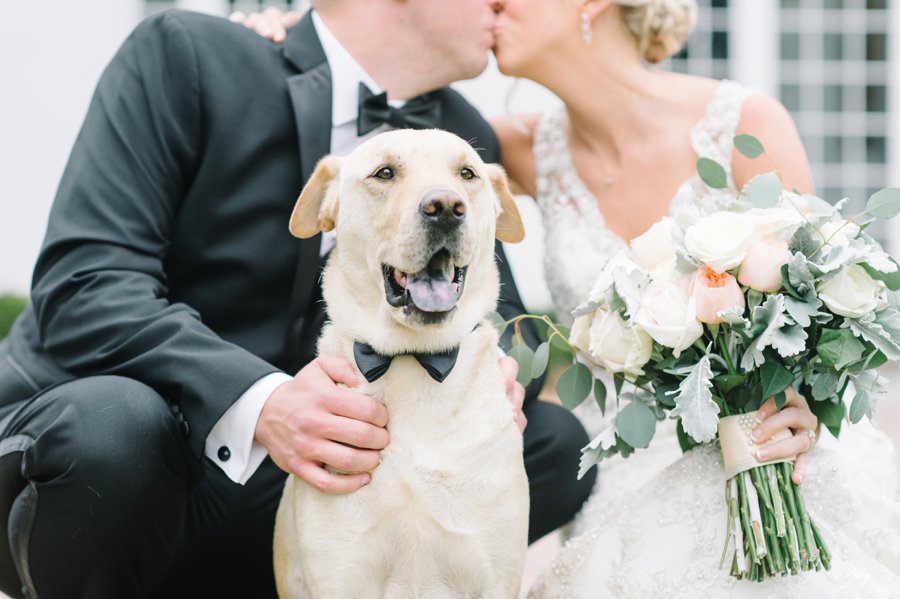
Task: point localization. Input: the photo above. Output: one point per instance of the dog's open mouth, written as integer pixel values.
(434, 289)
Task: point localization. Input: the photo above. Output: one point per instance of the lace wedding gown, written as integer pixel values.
(655, 523)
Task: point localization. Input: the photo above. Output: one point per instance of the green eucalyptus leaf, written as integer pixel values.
(884, 204)
(636, 424)
(600, 395)
(859, 406)
(498, 322)
(712, 173)
(521, 353)
(765, 190)
(574, 385)
(748, 145)
(559, 343)
(618, 381)
(540, 359)
(825, 387)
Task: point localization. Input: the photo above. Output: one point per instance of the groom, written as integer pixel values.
(147, 407)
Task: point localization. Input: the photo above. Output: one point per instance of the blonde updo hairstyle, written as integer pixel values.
(660, 26)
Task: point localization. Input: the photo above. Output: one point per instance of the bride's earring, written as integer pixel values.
(586, 32)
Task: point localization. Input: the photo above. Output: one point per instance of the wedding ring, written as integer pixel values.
(812, 435)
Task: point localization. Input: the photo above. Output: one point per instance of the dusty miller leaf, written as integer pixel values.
(769, 315)
(694, 405)
(881, 329)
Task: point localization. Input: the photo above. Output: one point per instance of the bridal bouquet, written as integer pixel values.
(728, 302)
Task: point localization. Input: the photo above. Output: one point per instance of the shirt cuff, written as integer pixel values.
(230, 444)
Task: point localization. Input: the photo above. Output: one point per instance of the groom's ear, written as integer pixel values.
(509, 222)
(316, 208)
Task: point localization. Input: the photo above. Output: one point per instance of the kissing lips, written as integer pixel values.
(434, 289)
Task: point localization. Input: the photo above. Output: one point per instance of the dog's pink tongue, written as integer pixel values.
(432, 289)
(430, 294)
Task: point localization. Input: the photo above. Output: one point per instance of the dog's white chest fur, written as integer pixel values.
(446, 512)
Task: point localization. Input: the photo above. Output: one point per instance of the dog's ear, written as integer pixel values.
(316, 208)
(509, 222)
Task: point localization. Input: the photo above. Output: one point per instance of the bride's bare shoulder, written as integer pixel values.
(516, 136)
(768, 120)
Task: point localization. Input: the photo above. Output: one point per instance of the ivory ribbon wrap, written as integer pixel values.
(738, 448)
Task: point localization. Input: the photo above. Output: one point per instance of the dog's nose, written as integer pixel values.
(443, 208)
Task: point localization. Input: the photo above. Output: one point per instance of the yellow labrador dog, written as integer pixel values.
(407, 287)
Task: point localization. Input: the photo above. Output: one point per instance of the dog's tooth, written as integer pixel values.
(400, 277)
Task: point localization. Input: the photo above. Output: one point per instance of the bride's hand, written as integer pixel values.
(271, 23)
(794, 415)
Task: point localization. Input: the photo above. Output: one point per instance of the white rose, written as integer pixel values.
(580, 335)
(720, 240)
(777, 221)
(654, 247)
(669, 273)
(617, 347)
(668, 315)
(836, 233)
(851, 292)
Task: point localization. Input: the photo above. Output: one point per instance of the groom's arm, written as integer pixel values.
(100, 287)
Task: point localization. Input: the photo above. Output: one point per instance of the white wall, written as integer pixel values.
(51, 55)
(50, 59)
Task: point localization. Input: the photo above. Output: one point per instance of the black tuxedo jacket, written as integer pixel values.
(167, 257)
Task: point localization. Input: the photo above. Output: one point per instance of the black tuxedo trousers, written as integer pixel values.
(166, 286)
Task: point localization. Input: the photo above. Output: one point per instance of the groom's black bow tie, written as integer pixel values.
(373, 365)
(421, 112)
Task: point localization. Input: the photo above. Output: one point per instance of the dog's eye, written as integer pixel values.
(384, 173)
(467, 173)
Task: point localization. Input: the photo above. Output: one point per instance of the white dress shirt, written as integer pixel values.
(230, 443)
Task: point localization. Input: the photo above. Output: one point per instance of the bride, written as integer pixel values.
(603, 168)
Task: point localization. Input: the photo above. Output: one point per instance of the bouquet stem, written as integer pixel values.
(769, 525)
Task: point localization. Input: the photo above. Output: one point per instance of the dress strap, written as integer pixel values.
(713, 136)
(549, 148)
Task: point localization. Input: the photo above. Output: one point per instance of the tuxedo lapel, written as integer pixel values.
(310, 94)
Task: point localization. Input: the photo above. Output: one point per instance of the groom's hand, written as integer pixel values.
(309, 422)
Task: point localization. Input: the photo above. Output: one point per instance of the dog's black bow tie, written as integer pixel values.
(373, 365)
(421, 112)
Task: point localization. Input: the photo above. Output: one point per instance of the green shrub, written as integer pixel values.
(10, 307)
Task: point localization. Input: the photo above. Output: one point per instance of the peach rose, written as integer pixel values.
(714, 292)
(761, 268)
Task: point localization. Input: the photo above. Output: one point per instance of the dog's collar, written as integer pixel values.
(373, 365)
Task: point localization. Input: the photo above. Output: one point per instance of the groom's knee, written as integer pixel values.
(553, 441)
(97, 482)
